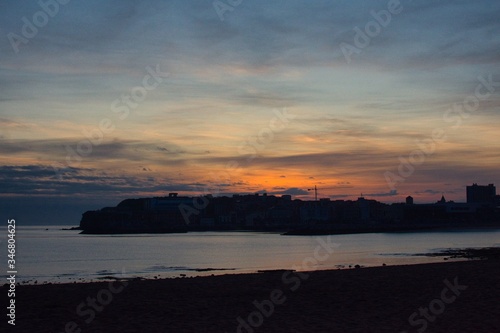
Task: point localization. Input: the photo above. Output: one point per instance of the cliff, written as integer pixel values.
(133, 216)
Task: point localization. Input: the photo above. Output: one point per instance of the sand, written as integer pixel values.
(458, 297)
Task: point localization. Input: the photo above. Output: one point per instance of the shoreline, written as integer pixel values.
(296, 232)
(449, 254)
(341, 230)
(389, 229)
(375, 299)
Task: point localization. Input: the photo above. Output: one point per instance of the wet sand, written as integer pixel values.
(453, 297)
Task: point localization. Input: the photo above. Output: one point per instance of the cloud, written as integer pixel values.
(292, 191)
(58, 150)
(429, 191)
(41, 180)
(353, 121)
(385, 194)
(257, 34)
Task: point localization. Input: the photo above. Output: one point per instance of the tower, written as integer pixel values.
(481, 193)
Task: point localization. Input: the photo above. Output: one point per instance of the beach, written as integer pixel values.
(443, 297)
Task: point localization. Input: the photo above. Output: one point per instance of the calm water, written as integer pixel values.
(55, 255)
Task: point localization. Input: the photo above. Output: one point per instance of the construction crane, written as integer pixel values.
(315, 192)
(315, 189)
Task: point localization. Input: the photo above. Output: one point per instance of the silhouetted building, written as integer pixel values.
(175, 213)
(442, 201)
(481, 193)
(312, 212)
(364, 209)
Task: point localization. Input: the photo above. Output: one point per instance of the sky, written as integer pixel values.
(106, 100)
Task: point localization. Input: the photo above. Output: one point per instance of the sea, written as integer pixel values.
(49, 254)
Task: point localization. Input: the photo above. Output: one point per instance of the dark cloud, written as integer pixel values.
(385, 194)
(291, 191)
(368, 159)
(429, 191)
(43, 181)
(82, 150)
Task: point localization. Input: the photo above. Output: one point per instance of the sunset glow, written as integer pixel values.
(117, 100)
